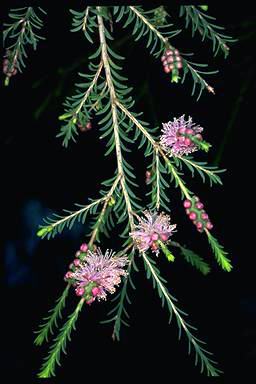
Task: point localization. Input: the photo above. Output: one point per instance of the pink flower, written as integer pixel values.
(178, 136)
(155, 227)
(98, 274)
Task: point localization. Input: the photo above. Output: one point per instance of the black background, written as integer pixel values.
(40, 177)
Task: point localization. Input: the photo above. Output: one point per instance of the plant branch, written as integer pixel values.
(101, 215)
(113, 99)
(48, 367)
(165, 295)
(43, 333)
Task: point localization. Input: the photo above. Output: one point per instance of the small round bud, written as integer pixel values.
(165, 62)
(187, 211)
(176, 52)
(84, 247)
(189, 131)
(179, 65)
(192, 216)
(187, 141)
(199, 226)
(148, 174)
(79, 291)
(187, 203)
(199, 205)
(170, 59)
(76, 262)
(163, 58)
(95, 291)
(68, 275)
(199, 137)
(167, 69)
(154, 236)
(77, 254)
(204, 216)
(88, 125)
(182, 130)
(209, 225)
(169, 52)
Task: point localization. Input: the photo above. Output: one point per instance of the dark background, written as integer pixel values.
(41, 177)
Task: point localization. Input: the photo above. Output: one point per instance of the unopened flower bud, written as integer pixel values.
(187, 203)
(79, 291)
(68, 275)
(187, 141)
(76, 262)
(199, 205)
(169, 52)
(204, 216)
(95, 291)
(199, 225)
(154, 236)
(84, 247)
(192, 215)
(209, 225)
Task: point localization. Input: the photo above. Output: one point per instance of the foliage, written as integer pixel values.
(21, 32)
(103, 94)
(200, 22)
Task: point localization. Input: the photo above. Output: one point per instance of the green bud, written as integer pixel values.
(205, 146)
(203, 7)
(175, 77)
(43, 231)
(170, 256)
(6, 81)
(65, 116)
(111, 201)
(166, 251)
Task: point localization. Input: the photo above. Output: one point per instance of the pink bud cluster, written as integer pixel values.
(171, 60)
(9, 70)
(84, 127)
(196, 213)
(148, 177)
(93, 274)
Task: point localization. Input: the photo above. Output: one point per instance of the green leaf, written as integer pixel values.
(167, 298)
(219, 252)
(52, 319)
(48, 368)
(195, 260)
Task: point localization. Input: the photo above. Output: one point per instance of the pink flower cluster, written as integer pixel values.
(180, 136)
(150, 229)
(196, 213)
(93, 274)
(9, 70)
